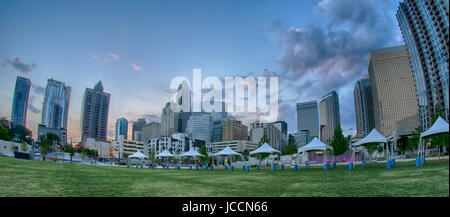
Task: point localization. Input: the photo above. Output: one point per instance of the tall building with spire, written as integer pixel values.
(94, 113)
(20, 101)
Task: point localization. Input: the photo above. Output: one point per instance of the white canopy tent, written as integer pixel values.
(265, 148)
(165, 154)
(192, 153)
(315, 145)
(373, 137)
(139, 155)
(227, 151)
(439, 127)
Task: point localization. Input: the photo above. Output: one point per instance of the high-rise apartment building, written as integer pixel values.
(329, 116)
(308, 117)
(258, 129)
(363, 107)
(200, 126)
(55, 109)
(94, 113)
(121, 128)
(137, 129)
(425, 29)
(393, 90)
(151, 131)
(20, 101)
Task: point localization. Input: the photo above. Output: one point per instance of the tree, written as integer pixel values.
(4, 133)
(151, 154)
(339, 142)
(292, 147)
(22, 133)
(52, 138)
(5, 123)
(45, 147)
(203, 151)
(24, 146)
(71, 150)
(264, 139)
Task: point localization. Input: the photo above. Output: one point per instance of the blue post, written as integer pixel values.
(393, 161)
(350, 165)
(196, 167)
(325, 166)
(274, 167)
(388, 164)
(417, 162)
(212, 167)
(225, 167)
(231, 168)
(149, 166)
(334, 164)
(206, 167)
(307, 165)
(167, 167)
(282, 167)
(248, 168)
(258, 167)
(363, 163)
(423, 162)
(128, 166)
(178, 167)
(296, 167)
(136, 165)
(243, 167)
(153, 166)
(190, 167)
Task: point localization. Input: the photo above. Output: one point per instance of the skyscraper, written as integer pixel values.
(258, 129)
(329, 116)
(363, 107)
(282, 127)
(424, 25)
(94, 113)
(55, 109)
(121, 128)
(20, 101)
(137, 129)
(393, 90)
(200, 126)
(151, 131)
(308, 117)
(234, 130)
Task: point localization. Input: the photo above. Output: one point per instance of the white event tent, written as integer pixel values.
(138, 154)
(191, 153)
(227, 151)
(165, 154)
(439, 127)
(265, 148)
(315, 144)
(373, 137)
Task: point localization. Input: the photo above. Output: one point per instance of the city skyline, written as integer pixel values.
(130, 53)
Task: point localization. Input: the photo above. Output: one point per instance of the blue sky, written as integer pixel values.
(137, 47)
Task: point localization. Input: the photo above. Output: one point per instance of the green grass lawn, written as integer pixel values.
(36, 178)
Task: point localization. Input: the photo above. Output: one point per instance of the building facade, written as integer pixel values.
(302, 138)
(237, 145)
(121, 128)
(151, 131)
(363, 107)
(258, 129)
(308, 117)
(234, 130)
(123, 148)
(20, 101)
(329, 116)
(200, 126)
(137, 129)
(176, 144)
(425, 30)
(395, 105)
(94, 113)
(55, 109)
(104, 149)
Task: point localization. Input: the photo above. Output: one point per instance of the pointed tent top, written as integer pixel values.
(265, 148)
(138, 154)
(440, 126)
(226, 151)
(191, 153)
(165, 153)
(99, 86)
(315, 144)
(373, 137)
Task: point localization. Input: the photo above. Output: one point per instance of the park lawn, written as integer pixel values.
(37, 178)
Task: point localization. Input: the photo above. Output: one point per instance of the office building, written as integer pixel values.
(393, 90)
(234, 130)
(308, 117)
(425, 29)
(363, 107)
(258, 129)
(151, 131)
(302, 138)
(94, 113)
(124, 148)
(121, 128)
(20, 101)
(137, 129)
(200, 126)
(236, 145)
(329, 116)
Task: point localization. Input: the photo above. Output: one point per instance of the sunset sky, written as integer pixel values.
(136, 47)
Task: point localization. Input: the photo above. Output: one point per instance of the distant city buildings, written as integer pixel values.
(302, 137)
(150, 131)
(55, 108)
(94, 113)
(137, 129)
(393, 90)
(200, 126)
(308, 117)
(121, 128)
(177, 143)
(362, 94)
(20, 101)
(258, 129)
(425, 27)
(235, 145)
(329, 116)
(124, 148)
(234, 130)
(283, 128)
